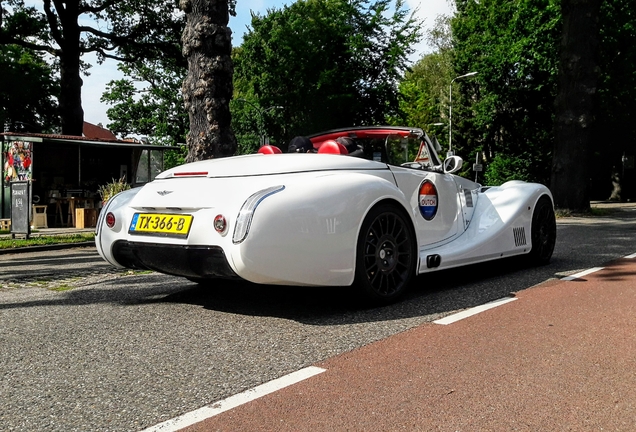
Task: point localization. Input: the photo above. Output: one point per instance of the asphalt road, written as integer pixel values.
(86, 347)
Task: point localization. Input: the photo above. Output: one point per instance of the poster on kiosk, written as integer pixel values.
(17, 169)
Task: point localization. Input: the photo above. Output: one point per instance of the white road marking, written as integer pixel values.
(473, 311)
(216, 408)
(631, 256)
(581, 274)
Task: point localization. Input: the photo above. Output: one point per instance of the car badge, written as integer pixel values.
(164, 192)
(428, 200)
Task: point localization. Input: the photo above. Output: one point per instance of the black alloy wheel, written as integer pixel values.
(386, 255)
(543, 232)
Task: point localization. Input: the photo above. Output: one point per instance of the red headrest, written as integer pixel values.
(332, 147)
(269, 149)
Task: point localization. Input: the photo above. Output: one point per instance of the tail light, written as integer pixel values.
(244, 218)
(220, 224)
(191, 174)
(110, 219)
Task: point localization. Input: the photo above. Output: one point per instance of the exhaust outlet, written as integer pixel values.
(433, 261)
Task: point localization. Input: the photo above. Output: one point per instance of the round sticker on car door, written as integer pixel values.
(428, 200)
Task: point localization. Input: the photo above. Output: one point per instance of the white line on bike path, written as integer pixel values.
(216, 408)
(581, 274)
(478, 309)
(473, 311)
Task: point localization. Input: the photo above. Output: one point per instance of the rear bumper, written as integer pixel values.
(187, 261)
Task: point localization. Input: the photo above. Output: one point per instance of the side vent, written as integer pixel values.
(468, 194)
(520, 236)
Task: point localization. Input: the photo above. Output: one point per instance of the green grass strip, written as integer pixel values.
(45, 240)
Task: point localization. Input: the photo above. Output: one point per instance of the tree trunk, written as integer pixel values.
(71, 112)
(207, 89)
(575, 103)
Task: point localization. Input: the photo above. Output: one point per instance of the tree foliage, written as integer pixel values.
(123, 29)
(28, 91)
(511, 110)
(148, 102)
(423, 92)
(508, 108)
(256, 112)
(328, 63)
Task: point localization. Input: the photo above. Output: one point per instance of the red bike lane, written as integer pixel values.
(560, 357)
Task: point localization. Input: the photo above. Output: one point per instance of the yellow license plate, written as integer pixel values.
(161, 224)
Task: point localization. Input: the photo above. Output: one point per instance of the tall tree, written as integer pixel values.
(424, 89)
(148, 101)
(328, 63)
(616, 109)
(208, 87)
(28, 91)
(507, 110)
(575, 104)
(124, 29)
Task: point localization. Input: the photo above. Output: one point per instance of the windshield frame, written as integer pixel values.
(374, 141)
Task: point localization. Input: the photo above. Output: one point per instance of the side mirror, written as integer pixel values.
(453, 164)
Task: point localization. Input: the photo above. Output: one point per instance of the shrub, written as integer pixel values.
(111, 189)
(504, 168)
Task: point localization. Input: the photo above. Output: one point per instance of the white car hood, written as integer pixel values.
(259, 164)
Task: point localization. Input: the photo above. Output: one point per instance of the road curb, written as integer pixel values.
(44, 248)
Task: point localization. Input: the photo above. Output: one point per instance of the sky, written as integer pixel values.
(100, 75)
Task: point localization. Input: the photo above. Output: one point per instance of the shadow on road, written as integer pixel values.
(434, 294)
(580, 245)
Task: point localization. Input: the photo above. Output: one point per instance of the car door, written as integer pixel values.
(435, 204)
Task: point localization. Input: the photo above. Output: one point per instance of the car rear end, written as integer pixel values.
(278, 222)
(178, 225)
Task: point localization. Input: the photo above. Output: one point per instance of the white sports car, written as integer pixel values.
(373, 221)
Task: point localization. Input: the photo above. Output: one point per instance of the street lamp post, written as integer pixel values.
(261, 113)
(450, 111)
(436, 144)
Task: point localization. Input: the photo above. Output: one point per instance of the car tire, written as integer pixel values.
(543, 232)
(385, 255)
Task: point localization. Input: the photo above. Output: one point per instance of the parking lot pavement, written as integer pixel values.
(560, 357)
